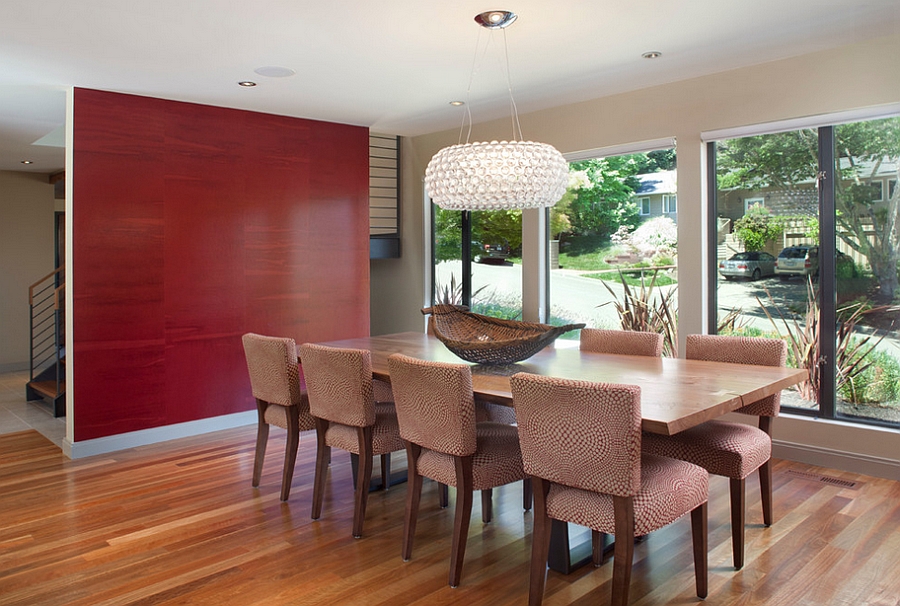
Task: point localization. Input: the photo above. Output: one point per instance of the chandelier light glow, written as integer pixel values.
(497, 175)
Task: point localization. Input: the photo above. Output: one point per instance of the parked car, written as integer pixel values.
(490, 250)
(797, 261)
(750, 265)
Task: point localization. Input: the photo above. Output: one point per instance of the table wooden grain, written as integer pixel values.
(676, 393)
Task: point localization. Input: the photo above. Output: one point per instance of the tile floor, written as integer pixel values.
(17, 414)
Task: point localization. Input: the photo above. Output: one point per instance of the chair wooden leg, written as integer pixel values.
(290, 450)
(540, 543)
(765, 491)
(444, 496)
(262, 438)
(623, 554)
(527, 494)
(364, 479)
(323, 454)
(385, 471)
(700, 534)
(461, 519)
(738, 488)
(413, 496)
(487, 509)
(597, 540)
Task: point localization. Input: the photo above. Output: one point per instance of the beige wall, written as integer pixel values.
(846, 78)
(26, 255)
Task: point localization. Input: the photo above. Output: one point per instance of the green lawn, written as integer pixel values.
(586, 253)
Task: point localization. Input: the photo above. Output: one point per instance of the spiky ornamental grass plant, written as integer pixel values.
(803, 339)
(640, 311)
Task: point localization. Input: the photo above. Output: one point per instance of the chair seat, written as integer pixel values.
(497, 459)
(733, 450)
(277, 415)
(669, 489)
(385, 433)
(495, 413)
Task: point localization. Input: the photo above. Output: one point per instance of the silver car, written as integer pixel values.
(798, 261)
(750, 265)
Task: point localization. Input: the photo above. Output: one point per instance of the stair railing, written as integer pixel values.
(47, 330)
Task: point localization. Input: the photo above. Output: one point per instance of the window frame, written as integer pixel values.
(670, 204)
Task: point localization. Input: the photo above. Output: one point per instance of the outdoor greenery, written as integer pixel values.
(790, 160)
(641, 311)
(757, 227)
(599, 200)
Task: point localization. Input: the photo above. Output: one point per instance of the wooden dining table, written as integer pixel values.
(676, 393)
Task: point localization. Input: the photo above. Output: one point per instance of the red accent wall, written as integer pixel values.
(191, 226)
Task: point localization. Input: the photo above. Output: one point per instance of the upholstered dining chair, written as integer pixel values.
(733, 450)
(280, 399)
(621, 342)
(341, 398)
(436, 412)
(625, 343)
(581, 445)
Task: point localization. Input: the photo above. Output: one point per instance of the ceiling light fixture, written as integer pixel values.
(247, 83)
(27, 162)
(492, 176)
(457, 103)
(652, 55)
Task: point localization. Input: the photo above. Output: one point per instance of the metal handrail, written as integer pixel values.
(47, 326)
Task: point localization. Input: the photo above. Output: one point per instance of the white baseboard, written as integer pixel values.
(87, 448)
(835, 459)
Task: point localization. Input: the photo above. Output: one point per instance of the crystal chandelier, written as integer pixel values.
(493, 176)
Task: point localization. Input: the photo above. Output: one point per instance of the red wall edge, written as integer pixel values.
(191, 226)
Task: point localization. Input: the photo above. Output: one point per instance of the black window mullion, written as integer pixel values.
(712, 223)
(828, 174)
(466, 277)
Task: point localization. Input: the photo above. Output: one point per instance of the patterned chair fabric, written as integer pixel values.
(275, 382)
(742, 350)
(621, 342)
(732, 450)
(584, 455)
(339, 384)
(436, 412)
(341, 397)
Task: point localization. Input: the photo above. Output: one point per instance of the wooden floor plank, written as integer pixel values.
(179, 523)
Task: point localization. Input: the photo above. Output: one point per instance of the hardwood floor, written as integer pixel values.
(179, 523)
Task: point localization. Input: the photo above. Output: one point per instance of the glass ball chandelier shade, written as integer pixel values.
(495, 176)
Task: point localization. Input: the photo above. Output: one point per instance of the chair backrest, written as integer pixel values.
(339, 384)
(272, 364)
(742, 350)
(579, 433)
(435, 404)
(622, 342)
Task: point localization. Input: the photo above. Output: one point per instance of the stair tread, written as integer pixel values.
(47, 388)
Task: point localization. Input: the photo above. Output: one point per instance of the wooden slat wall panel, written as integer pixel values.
(384, 179)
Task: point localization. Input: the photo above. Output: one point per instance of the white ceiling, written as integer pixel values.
(392, 65)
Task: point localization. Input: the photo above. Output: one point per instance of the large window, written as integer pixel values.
(613, 235)
(487, 275)
(808, 251)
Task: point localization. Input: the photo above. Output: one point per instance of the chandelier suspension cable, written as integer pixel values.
(516, 126)
(467, 115)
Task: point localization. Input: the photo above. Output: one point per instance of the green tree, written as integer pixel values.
(865, 223)
(608, 202)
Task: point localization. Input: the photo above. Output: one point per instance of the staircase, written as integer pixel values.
(48, 342)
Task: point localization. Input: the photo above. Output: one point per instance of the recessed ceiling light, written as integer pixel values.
(27, 162)
(652, 55)
(457, 103)
(247, 83)
(273, 71)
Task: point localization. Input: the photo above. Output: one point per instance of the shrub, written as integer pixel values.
(878, 382)
(757, 227)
